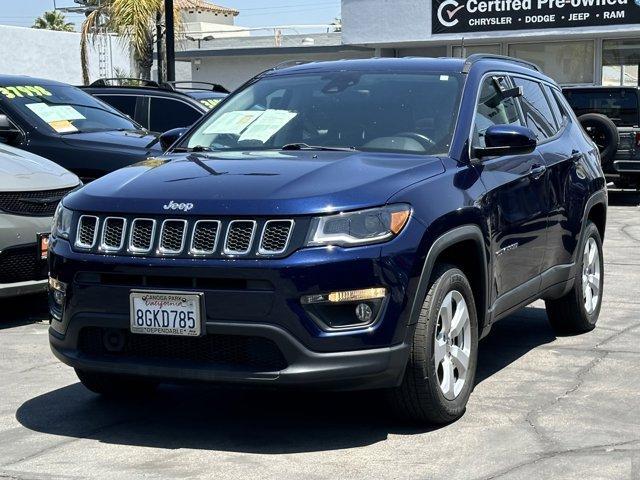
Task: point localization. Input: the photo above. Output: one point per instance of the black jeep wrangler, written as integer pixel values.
(610, 115)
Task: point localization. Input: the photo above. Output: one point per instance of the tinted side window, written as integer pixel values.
(536, 109)
(165, 114)
(555, 108)
(124, 103)
(493, 108)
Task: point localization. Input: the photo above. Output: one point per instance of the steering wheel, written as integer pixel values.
(423, 140)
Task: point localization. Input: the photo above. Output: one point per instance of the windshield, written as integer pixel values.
(620, 105)
(63, 109)
(382, 112)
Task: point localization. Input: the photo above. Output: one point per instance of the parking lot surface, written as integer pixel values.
(543, 407)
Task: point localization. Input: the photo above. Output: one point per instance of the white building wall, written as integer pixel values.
(233, 71)
(54, 55)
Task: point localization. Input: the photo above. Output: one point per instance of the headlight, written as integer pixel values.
(359, 228)
(61, 222)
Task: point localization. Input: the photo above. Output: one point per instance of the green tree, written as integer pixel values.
(53, 20)
(134, 21)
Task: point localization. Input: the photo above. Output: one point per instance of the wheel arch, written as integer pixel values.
(464, 247)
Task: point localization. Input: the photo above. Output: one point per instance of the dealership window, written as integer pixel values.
(566, 62)
(493, 48)
(433, 51)
(620, 60)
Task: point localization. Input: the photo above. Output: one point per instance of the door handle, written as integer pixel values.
(537, 171)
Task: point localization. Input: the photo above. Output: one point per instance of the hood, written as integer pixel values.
(256, 183)
(22, 171)
(121, 140)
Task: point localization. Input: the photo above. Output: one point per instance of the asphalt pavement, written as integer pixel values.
(543, 407)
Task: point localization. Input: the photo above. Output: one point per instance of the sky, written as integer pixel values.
(253, 13)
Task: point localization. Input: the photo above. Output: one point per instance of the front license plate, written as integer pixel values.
(166, 313)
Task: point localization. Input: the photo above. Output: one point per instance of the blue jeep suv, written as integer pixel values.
(342, 225)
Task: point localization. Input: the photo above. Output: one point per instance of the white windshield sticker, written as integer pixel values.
(55, 113)
(232, 122)
(265, 127)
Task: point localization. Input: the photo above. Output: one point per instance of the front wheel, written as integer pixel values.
(578, 311)
(441, 369)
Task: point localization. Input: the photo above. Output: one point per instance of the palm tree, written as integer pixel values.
(134, 21)
(53, 20)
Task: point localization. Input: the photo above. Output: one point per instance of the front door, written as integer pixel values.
(516, 202)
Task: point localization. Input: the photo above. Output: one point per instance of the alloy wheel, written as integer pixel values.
(452, 344)
(591, 276)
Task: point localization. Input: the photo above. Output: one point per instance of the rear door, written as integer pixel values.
(168, 113)
(515, 200)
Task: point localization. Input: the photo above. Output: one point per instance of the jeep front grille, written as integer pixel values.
(275, 238)
(239, 237)
(87, 232)
(177, 237)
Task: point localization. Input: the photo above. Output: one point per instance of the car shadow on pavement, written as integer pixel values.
(23, 310)
(256, 421)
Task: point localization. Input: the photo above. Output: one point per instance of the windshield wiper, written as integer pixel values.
(304, 146)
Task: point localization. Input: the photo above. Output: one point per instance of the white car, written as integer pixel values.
(30, 189)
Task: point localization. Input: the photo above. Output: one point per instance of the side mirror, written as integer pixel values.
(8, 131)
(507, 140)
(170, 137)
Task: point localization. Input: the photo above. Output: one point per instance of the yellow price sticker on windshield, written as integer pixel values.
(21, 91)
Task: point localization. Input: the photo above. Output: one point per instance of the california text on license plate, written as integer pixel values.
(166, 313)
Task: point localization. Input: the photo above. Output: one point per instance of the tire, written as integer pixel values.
(420, 398)
(607, 137)
(570, 314)
(116, 386)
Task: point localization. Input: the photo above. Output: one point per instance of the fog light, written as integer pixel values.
(364, 313)
(348, 309)
(57, 297)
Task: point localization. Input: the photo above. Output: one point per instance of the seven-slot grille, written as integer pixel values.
(175, 237)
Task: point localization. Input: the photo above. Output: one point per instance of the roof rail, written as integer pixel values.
(476, 57)
(124, 81)
(214, 87)
(290, 63)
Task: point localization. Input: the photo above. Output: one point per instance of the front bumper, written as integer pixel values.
(246, 299)
(354, 370)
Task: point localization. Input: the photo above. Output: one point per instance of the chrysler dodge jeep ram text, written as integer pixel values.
(342, 225)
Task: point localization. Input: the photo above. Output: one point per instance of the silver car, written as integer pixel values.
(30, 189)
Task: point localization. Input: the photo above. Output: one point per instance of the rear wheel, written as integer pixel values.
(111, 385)
(441, 369)
(578, 311)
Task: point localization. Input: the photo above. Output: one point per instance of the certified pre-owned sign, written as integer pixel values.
(459, 16)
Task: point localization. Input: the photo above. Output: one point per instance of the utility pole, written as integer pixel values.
(170, 36)
(159, 61)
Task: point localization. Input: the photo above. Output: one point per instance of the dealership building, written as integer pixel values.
(573, 41)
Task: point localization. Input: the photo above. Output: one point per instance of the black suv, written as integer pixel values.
(159, 107)
(343, 225)
(611, 117)
(70, 127)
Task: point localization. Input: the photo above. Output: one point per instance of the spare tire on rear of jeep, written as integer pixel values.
(603, 132)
